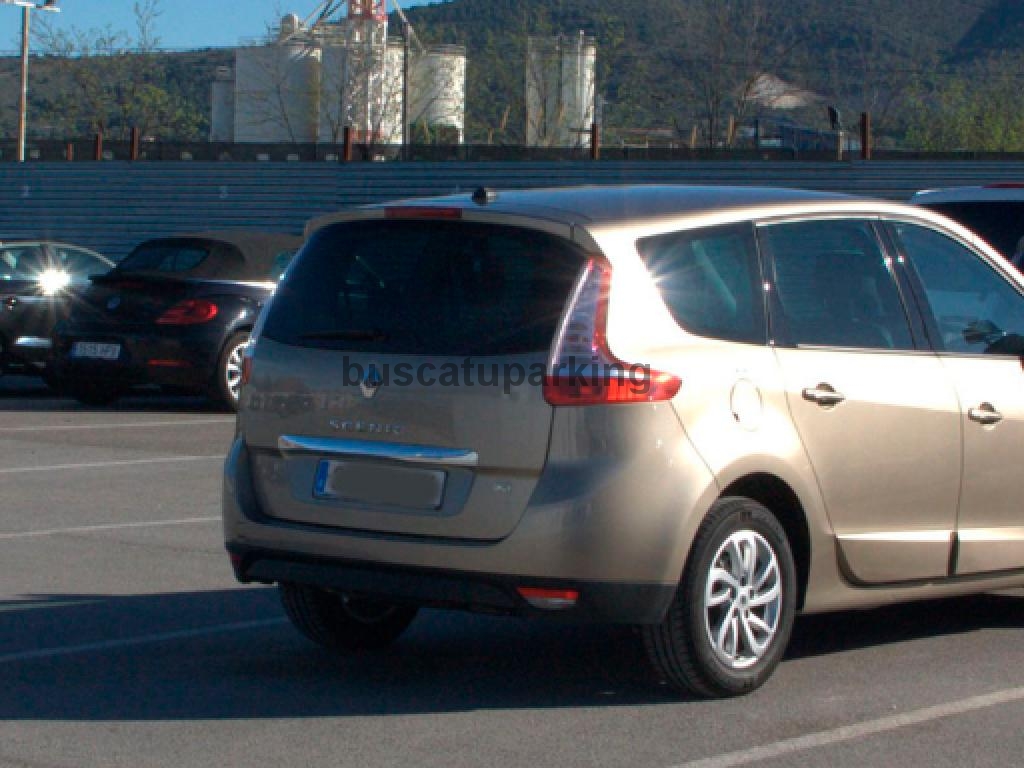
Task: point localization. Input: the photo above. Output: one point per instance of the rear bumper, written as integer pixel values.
(28, 354)
(477, 592)
(182, 359)
(616, 529)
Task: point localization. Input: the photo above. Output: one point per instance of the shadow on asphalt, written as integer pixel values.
(446, 662)
(29, 393)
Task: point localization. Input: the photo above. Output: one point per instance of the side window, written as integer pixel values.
(834, 286)
(710, 281)
(976, 309)
(81, 265)
(22, 262)
(280, 264)
(8, 263)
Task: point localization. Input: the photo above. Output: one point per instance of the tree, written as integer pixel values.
(724, 49)
(980, 110)
(106, 80)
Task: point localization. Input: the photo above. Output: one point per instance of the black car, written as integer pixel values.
(39, 280)
(175, 314)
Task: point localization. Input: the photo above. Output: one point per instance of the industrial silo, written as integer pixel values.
(277, 88)
(437, 95)
(356, 88)
(560, 87)
(222, 112)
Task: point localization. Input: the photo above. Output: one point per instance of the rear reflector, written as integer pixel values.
(422, 212)
(170, 363)
(246, 366)
(549, 599)
(582, 369)
(189, 312)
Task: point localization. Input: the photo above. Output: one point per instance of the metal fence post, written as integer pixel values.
(865, 136)
(346, 147)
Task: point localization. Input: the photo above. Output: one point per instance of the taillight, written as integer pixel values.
(422, 212)
(250, 348)
(582, 370)
(189, 312)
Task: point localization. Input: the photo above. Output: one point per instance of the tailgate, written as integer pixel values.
(396, 385)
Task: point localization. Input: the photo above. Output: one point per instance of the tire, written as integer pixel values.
(344, 623)
(91, 393)
(227, 380)
(729, 622)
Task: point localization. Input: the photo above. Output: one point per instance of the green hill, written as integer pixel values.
(680, 68)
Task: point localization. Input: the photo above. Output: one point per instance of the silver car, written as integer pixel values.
(696, 410)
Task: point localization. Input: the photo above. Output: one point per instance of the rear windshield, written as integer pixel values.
(425, 287)
(164, 257)
(1000, 223)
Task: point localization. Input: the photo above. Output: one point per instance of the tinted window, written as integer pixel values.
(280, 264)
(22, 262)
(976, 309)
(1000, 223)
(834, 287)
(163, 257)
(80, 264)
(710, 281)
(425, 287)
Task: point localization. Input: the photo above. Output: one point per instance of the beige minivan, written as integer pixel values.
(699, 410)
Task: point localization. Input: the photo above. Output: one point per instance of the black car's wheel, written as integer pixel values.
(731, 618)
(91, 393)
(340, 622)
(227, 384)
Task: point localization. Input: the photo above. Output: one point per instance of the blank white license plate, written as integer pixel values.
(377, 484)
(96, 350)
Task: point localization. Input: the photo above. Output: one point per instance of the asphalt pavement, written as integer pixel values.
(125, 641)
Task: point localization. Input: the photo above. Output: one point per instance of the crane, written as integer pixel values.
(367, 10)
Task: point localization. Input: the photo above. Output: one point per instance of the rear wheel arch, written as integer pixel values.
(775, 494)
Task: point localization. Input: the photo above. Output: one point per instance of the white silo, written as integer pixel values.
(356, 82)
(222, 112)
(560, 89)
(437, 94)
(277, 89)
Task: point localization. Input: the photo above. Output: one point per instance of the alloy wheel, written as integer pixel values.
(743, 599)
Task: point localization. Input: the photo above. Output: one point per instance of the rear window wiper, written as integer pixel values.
(356, 335)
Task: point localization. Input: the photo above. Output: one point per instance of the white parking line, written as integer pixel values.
(857, 730)
(106, 527)
(118, 425)
(106, 464)
(128, 642)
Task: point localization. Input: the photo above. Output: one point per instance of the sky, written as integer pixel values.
(182, 23)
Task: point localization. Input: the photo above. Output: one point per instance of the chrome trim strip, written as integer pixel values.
(33, 342)
(412, 454)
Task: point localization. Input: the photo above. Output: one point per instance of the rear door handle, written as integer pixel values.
(823, 394)
(984, 414)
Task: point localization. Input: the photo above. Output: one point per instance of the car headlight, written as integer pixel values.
(53, 281)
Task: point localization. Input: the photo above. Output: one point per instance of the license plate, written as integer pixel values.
(376, 484)
(96, 350)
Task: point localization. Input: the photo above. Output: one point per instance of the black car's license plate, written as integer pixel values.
(95, 350)
(378, 484)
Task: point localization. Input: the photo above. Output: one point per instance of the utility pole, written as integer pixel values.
(406, 133)
(26, 8)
